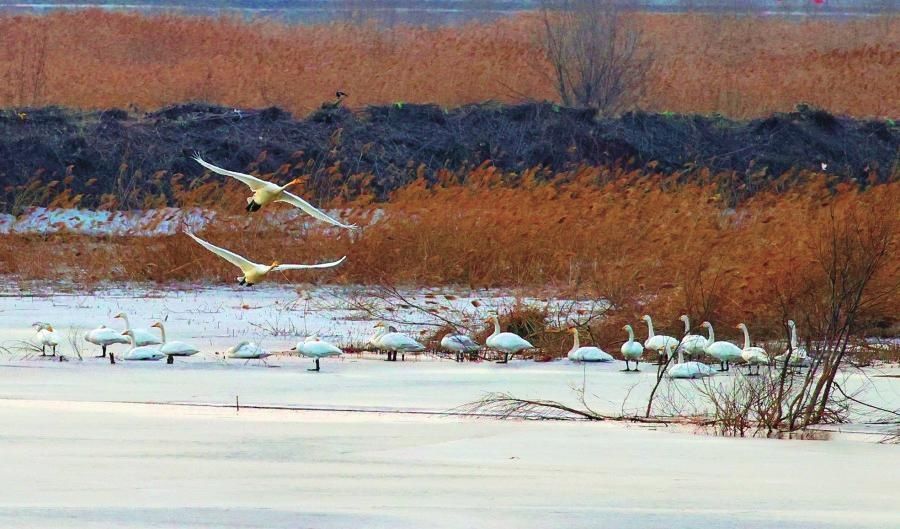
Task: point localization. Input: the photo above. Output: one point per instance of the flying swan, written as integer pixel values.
(254, 273)
(267, 192)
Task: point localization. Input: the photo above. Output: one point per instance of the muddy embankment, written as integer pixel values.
(397, 143)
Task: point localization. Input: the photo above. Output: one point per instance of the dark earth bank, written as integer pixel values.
(397, 143)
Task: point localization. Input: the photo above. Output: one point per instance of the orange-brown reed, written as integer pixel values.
(738, 66)
(644, 241)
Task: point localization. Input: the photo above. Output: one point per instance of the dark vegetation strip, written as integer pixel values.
(377, 150)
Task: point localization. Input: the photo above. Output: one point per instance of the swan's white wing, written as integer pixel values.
(311, 210)
(231, 257)
(250, 180)
(304, 267)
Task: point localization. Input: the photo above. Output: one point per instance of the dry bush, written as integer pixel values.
(595, 54)
(738, 66)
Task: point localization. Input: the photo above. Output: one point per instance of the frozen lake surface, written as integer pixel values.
(97, 453)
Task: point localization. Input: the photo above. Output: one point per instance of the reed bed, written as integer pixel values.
(645, 242)
(737, 66)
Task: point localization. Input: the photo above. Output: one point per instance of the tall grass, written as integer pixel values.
(644, 242)
(738, 66)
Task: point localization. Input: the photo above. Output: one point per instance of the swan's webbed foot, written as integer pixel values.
(315, 368)
(170, 359)
(253, 206)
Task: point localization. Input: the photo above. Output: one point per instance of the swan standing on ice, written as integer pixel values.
(586, 354)
(141, 352)
(104, 337)
(247, 350)
(389, 340)
(255, 273)
(316, 348)
(631, 350)
(46, 337)
(173, 349)
(799, 357)
(505, 342)
(460, 344)
(266, 192)
(140, 337)
(754, 356)
(657, 342)
(724, 352)
(688, 369)
(693, 345)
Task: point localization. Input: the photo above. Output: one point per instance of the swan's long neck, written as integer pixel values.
(162, 331)
(794, 342)
(630, 334)
(746, 337)
(131, 339)
(680, 355)
(378, 334)
(577, 343)
(649, 328)
(127, 323)
(496, 325)
(712, 336)
(687, 326)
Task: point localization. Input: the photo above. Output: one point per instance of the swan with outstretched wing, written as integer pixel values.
(266, 192)
(254, 272)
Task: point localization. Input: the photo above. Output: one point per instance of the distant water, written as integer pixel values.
(444, 12)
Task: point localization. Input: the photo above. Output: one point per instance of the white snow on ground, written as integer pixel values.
(87, 222)
(92, 466)
(95, 454)
(165, 221)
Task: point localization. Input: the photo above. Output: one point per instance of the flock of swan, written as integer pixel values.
(148, 346)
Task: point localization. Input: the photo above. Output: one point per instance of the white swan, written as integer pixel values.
(254, 273)
(141, 337)
(754, 356)
(316, 348)
(460, 344)
(656, 342)
(797, 355)
(46, 337)
(505, 342)
(631, 350)
(141, 352)
(247, 350)
(586, 354)
(688, 369)
(266, 192)
(389, 340)
(173, 349)
(104, 337)
(724, 352)
(693, 345)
